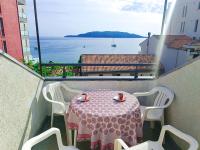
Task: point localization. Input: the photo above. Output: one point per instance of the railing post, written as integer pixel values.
(136, 72)
(38, 36)
(64, 71)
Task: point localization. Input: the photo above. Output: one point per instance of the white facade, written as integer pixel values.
(186, 19)
(170, 58)
(24, 31)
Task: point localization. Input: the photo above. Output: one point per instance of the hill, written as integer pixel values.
(107, 34)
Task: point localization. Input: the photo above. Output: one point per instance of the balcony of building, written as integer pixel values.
(21, 2)
(22, 17)
(24, 34)
(25, 113)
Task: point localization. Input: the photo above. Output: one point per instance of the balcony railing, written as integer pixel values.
(22, 17)
(24, 33)
(21, 2)
(137, 71)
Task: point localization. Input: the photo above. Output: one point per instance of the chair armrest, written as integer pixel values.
(119, 144)
(51, 101)
(193, 144)
(151, 92)
(37, 139)
(60, 104)
(147, 109)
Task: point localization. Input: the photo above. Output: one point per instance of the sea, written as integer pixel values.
(68, 50)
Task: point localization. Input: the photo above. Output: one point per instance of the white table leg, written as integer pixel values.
(69, 136)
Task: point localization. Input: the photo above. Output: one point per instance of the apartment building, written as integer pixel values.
(173, 54)
(24, 29)
(10, 37)
(14, 37)
(186, 19)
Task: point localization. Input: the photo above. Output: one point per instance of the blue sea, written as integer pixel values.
(68, 50)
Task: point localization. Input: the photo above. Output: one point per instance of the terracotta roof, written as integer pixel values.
(194, 45)
(175, 41)
(115, 59)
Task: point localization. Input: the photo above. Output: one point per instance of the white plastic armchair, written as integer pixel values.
(157, 145)
(37, 139)
(163, 100)
(60, 96)
(53, 93)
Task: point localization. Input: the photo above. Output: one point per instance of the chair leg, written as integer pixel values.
(162, 124)
(69, 136)
(117, 145)
(52, 120)
(75, 136)
(152, 124)
(162, 121)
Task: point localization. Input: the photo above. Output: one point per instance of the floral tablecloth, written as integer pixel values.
(102, 119)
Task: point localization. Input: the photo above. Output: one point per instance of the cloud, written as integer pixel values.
(152, 6)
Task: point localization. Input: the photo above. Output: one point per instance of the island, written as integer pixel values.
(107, 34)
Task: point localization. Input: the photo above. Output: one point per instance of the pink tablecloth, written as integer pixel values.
(102, 120)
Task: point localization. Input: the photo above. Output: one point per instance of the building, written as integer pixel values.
(117, 70)
(172, 55)
(10, 37)
(186, 19)
(14, 38)
(24, 29)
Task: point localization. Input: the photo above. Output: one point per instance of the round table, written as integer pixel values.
(102, 119)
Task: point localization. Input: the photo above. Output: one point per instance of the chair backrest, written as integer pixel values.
(37, 139)
(164, 96)
(193, 144)
(53, 92)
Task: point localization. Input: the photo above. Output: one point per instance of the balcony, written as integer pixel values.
(26, 113)
(24, 33)
(22, 17)
(21, 2)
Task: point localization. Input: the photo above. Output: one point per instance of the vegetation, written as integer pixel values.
(55, 70)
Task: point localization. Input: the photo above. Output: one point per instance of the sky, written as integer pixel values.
(69, 17)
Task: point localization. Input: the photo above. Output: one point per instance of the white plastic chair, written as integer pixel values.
(157, 145)
(163, 100)
(53, 93)
(37, 139)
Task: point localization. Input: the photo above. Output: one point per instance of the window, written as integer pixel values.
(199, 6)
(100, 74)
(26, 43)
(196, 25)
(4, 46)
(181, 26)
(1, 27)
(24, 27)
(194, 38)
(182, 29)
(185, 11)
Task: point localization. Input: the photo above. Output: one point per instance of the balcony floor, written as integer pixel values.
(50, 143)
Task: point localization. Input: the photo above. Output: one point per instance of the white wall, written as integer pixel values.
(184, 113)
(22, 107)
(153, 42)
(170, 58)
(191, 16)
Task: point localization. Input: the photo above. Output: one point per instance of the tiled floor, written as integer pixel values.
(50, 143)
